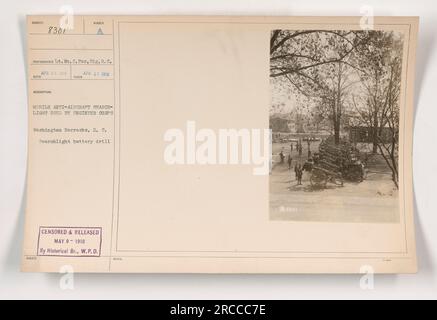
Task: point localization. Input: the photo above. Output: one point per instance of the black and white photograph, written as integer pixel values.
(334, 116)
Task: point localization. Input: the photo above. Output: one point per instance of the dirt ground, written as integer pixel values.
(373, 200)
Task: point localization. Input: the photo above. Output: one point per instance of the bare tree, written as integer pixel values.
(316, 63)
(378, 107)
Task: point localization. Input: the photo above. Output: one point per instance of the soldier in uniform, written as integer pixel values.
(289, 161)
(298, 172)
(281, 155)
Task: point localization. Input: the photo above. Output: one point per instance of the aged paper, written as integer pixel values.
(220, 144)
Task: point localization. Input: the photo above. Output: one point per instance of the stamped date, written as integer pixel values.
(69, 241)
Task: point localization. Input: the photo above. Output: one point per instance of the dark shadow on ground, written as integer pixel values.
(311, 188)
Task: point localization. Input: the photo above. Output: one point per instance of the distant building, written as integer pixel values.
(364, 134)
(299, 123)
(278, 124)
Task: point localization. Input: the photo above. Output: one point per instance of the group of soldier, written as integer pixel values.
(298, 167)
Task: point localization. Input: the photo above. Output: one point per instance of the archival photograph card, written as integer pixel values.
(214, 144)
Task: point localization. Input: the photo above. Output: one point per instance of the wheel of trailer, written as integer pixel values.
(354, 174)
(338, 181)
(318, 178)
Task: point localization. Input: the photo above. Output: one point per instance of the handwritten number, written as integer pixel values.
(56, 30)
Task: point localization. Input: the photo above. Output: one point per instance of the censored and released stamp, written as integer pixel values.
(69, 241)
